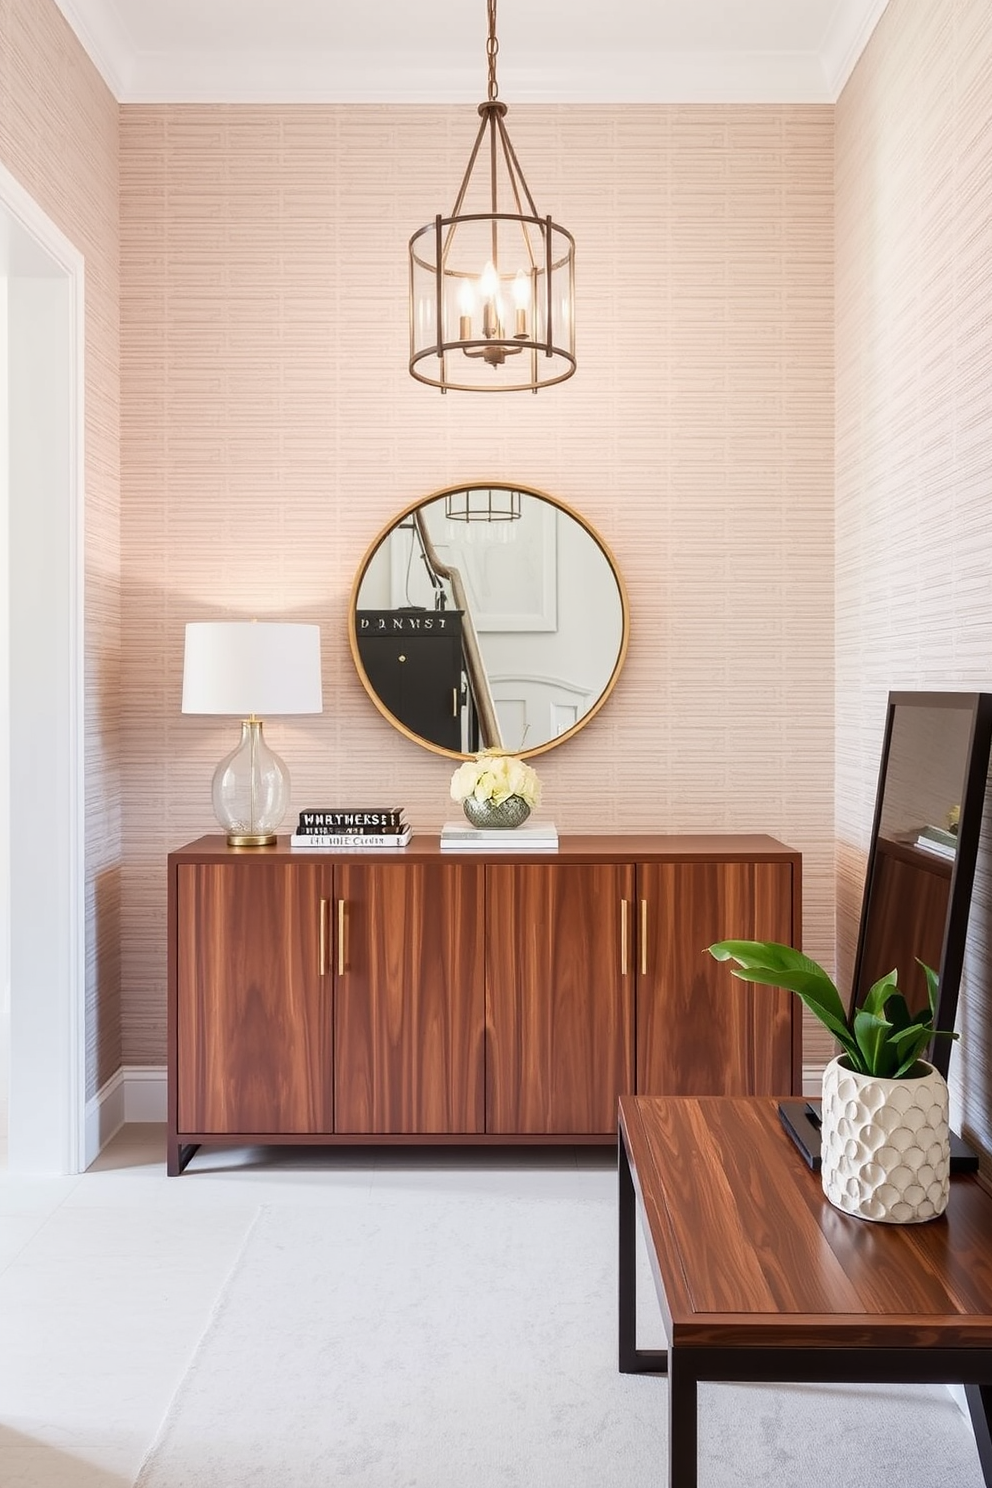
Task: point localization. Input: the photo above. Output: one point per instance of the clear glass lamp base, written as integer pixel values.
(251, 790)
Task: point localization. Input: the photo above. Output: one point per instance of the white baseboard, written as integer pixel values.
(145, 1093)
(812, 1080)
(136, 1093)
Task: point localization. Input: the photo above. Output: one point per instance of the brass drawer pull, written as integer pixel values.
(644, 937)
(341, 950)
(624, 907)
(322, 953)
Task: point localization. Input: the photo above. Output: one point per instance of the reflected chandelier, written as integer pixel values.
(492, 291)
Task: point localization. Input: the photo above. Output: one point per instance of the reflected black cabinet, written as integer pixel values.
(413, 659)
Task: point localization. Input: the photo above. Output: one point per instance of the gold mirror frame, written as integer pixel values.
(440, 495)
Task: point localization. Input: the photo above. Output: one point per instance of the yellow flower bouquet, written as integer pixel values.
(496, 789)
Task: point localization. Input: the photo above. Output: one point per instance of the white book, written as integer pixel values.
(352, 840)
(542, 836)
(540, 845)
(940, 848)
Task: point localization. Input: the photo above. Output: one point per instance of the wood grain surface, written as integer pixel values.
(626, 847)
(909, 898)
(750, 1254)
(253, 1039)
(559, 996)
(701, 1031)
(410, 1000)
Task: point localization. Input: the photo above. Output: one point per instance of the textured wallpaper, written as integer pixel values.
(59, 137)
(271, 430)
(914, 431)
(268, 431)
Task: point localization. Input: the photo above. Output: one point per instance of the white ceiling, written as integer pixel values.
(430, 51)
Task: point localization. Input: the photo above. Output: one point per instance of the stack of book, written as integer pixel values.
(352, 828)
(534, 836)
(937, 840)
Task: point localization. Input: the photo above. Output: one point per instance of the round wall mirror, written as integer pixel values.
(488, 616)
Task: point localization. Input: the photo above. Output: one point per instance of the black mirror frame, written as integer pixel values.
(965, 857)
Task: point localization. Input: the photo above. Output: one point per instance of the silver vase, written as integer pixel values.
(503, 814)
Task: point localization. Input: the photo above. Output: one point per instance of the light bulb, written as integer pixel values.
(521, 297)
(466, 307)
(491, 311)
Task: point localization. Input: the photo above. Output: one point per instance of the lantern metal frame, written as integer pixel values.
(531, 258)
(492, 504)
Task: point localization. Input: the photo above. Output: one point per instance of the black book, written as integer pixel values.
(354, 821)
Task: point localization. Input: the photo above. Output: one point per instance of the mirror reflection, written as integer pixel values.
(489, 617)
(922, 858)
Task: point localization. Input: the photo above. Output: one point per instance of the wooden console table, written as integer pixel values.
(759, 1278)
(422, 995)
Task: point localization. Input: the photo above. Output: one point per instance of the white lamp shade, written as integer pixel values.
(251, 667)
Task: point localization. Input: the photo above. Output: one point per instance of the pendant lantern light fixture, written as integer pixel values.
(492, 285)
(483, 504)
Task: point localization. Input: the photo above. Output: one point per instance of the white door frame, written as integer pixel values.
(42, 840)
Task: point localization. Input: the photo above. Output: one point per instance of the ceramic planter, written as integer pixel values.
(885, 1144)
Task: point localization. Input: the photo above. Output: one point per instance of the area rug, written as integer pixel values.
(433, 1340)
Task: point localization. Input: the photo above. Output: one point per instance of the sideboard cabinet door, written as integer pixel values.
(559, 996)
(701, 1031)
(410, 998)
(253, 1000)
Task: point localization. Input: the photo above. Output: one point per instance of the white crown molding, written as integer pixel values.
(103, 39)
(321, 76)
(230, 75)
(849, 33)
(612, 77)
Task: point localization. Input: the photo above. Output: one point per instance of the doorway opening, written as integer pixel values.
(42, 880)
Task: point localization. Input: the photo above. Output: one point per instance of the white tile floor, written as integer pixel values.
(107, 1280)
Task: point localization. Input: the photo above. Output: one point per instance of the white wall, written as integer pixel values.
(4, 716)
(41, 677)
(914, 432)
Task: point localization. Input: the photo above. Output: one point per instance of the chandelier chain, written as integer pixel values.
(492, 48)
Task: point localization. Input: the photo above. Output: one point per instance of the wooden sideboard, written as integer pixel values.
(427, 996)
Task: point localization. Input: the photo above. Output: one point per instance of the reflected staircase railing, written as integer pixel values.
(490, 736)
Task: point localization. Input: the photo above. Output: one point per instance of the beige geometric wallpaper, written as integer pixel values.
(914, 430)
(270, 430)
(59, 138)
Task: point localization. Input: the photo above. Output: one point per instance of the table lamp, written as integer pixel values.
(247, 669)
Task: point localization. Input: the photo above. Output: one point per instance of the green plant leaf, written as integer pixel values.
(769, 953)
(896, 1010)
(772, 964)
(882, 1038)
(903, 1037)
(911, 1052)
(872, 1034)
(933, 985)
(880, 992)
